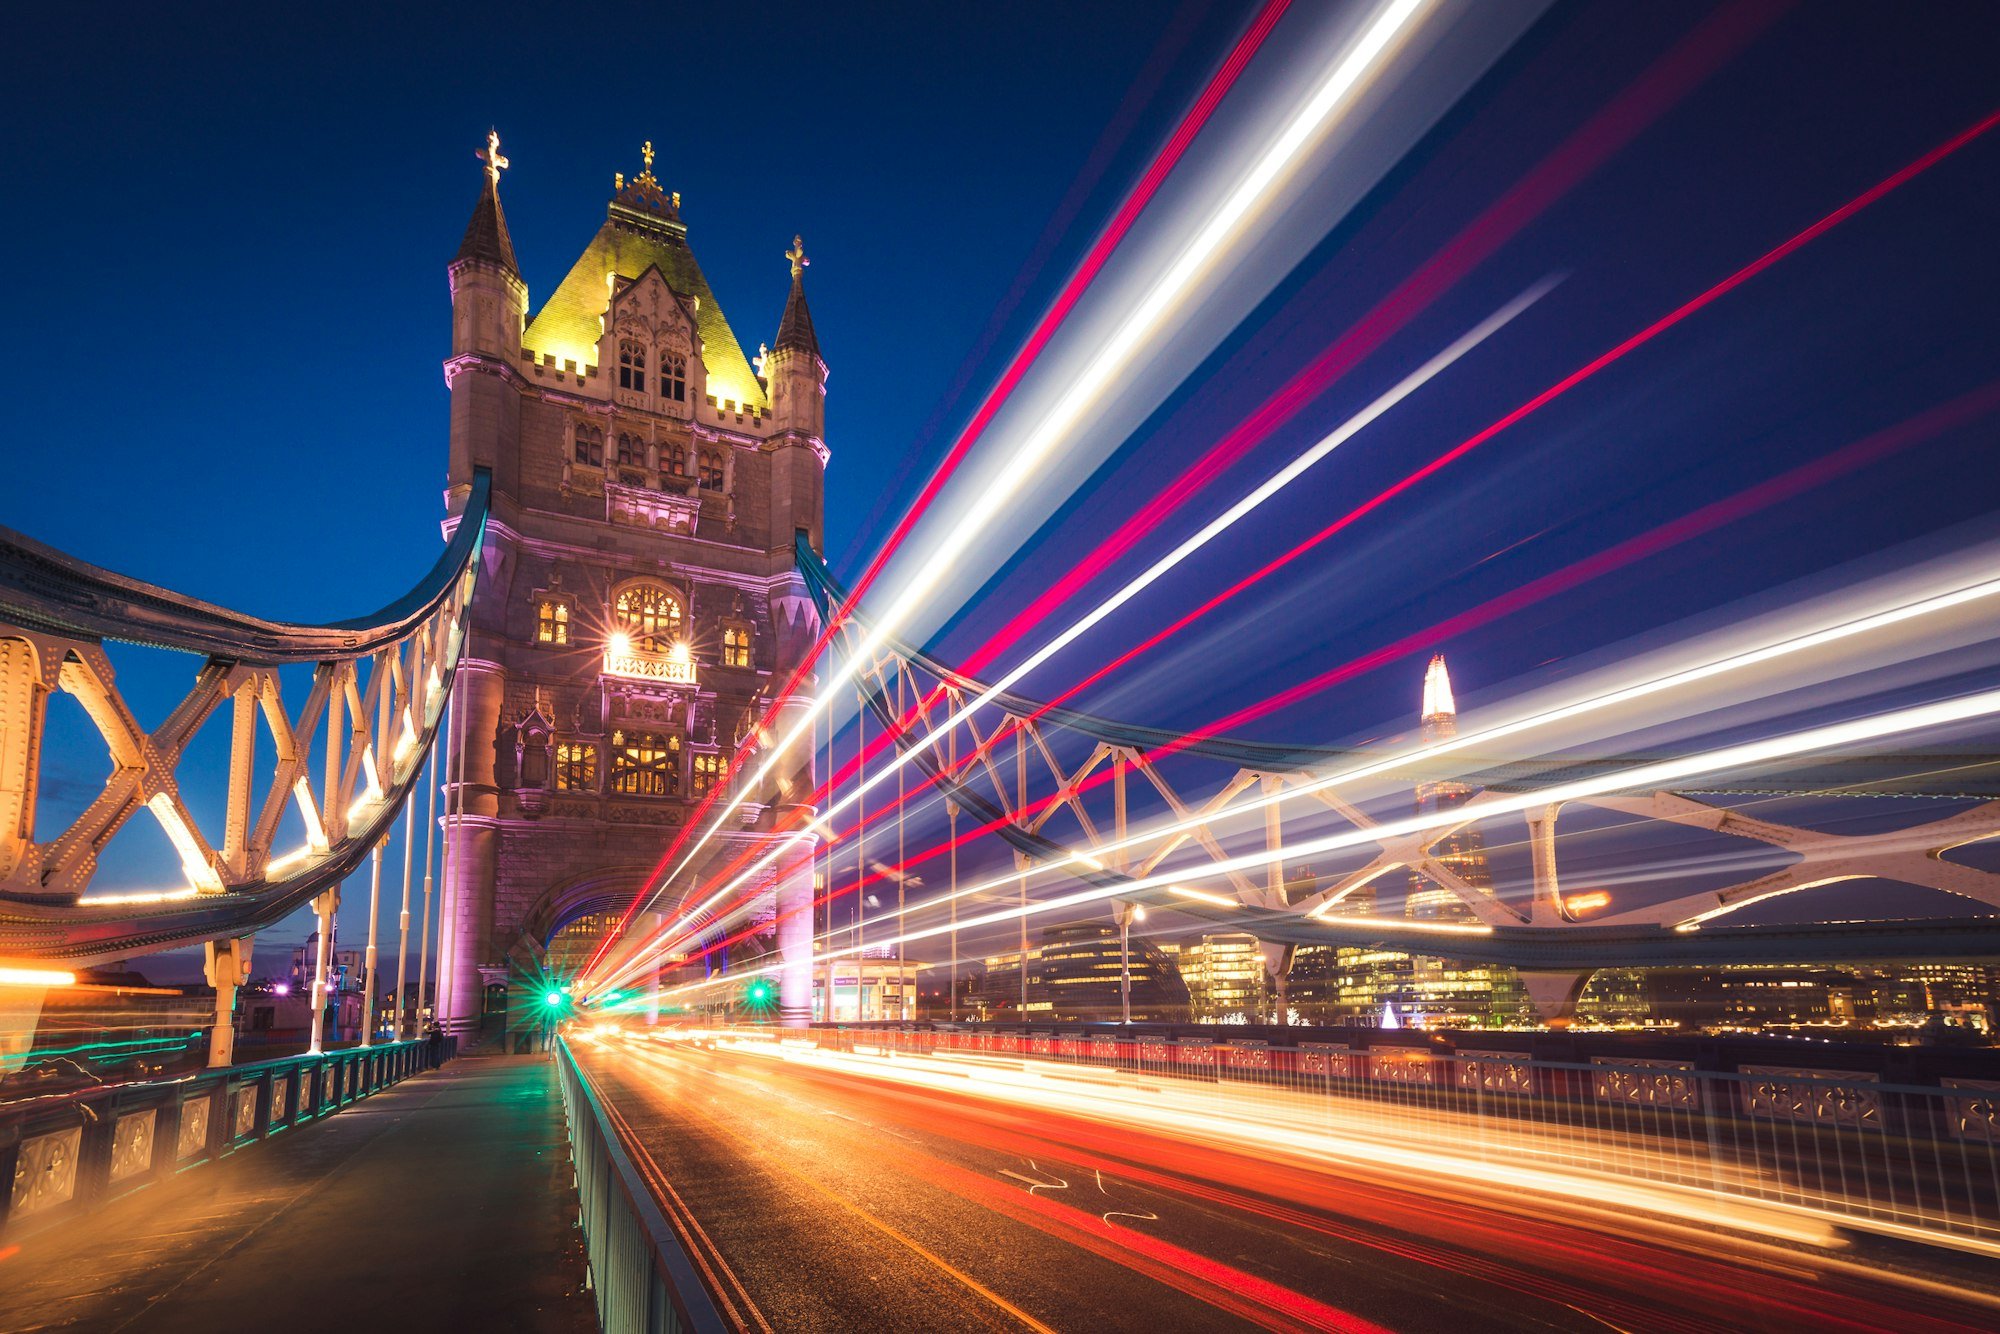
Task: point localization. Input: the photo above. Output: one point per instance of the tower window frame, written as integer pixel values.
(632, 366)
(709, 464)
(590, 446)
(552, 620)
(645, 764)
(673, 376)
(737, 644)
(652, 615)
(576, 766)
(707, 771)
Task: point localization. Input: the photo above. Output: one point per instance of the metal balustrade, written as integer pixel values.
(642, 1280)
(1920, 1160)
(74, 1151)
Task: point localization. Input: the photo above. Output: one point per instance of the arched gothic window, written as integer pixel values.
(674, 377)
(651, 615)
(645, 764)
(590, 446)
(632, 366)
(631, 451)
(711, 470)
(707, 773)
(735, 645)
(674, 461)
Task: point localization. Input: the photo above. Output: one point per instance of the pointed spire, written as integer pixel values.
(486, 235)
(1438, 702)
(795, 330)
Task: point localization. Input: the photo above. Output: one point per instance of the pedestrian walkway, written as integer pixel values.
(444, 1202)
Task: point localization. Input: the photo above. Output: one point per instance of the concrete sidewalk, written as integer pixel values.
(446, 1201)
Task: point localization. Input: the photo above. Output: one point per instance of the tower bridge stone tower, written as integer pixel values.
(638, 600)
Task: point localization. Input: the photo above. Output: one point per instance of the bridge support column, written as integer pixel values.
(795, 868)
(325, 906)
(1278, 958)
(227, 964)
(1554, 994)
(472, 843)
(795, 937)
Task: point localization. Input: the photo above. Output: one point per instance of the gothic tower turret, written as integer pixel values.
(489, 305)
(796, 375)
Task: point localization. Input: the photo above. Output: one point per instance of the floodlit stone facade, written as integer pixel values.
(638, 602)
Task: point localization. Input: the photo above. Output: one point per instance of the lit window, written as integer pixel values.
(631, 451)
(650, 615)
(576, 767)
(707, 773)
(735, 646)
(552, 622)
(632, 367)
(711, 470)
(674, 377)
(590, 446)
(645, 764)
(674, 461)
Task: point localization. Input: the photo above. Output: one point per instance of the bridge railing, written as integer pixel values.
(1846, 1148)
(643, 1280)
(75, 1151)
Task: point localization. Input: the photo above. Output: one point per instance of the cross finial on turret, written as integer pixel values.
(491, 157)
(797, 254)
(646, 152)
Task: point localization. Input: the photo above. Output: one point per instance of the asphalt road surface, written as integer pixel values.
(825, 1200)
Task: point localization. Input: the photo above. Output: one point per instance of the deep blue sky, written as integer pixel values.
(227, 231)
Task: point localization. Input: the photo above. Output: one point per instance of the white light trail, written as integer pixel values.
(1277, 482)
(1662, 773)
(1270, 487)
(1820, 637)
(1254, 190)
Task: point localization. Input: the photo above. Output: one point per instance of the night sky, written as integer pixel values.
(227, 236)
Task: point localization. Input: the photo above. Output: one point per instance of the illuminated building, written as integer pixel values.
(1615, 998)
(1438, 991)
(638, 596)
(1225, 978)
(1073, 976)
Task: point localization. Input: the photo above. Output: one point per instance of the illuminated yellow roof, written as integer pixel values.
(641, 229)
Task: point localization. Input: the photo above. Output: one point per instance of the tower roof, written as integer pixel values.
(486, 235)
(1438, 702)
(796, 328)
(642, 228)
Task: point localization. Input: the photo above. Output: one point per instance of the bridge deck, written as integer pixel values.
(444, 1202)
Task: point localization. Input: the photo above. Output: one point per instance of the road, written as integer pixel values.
(825, 1199)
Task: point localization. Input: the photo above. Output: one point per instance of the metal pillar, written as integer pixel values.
(403, 919)
(368, 960)
(902, 875)
(430, 847)
(325, 905)
(1020, 859)
(861, 860)
(1125, 910)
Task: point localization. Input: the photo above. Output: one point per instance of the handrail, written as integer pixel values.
(643, 1280)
